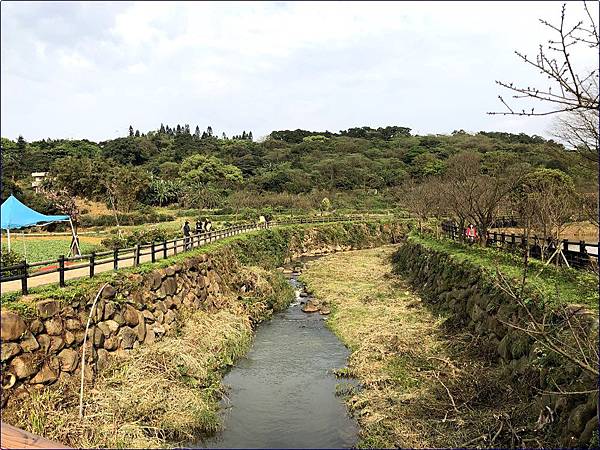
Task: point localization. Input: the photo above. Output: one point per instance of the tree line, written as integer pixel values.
(173, 166)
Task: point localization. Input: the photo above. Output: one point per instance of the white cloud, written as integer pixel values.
(137, 69)
(74, 61)
(263, 65)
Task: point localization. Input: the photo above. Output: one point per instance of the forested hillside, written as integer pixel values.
(358, 167)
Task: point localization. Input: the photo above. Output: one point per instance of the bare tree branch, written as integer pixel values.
(575, 90)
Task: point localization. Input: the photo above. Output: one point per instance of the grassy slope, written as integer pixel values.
(554, 285)
(421, 387)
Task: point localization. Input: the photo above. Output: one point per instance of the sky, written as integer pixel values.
(90, 69)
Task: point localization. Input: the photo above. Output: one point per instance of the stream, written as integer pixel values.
(282, 393)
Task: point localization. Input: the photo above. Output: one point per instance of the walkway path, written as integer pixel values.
(107, 264)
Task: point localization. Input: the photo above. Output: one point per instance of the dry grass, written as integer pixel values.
(418, 388)
(158, 395)
(94, 208)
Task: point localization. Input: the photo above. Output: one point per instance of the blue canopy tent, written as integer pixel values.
(16, 215)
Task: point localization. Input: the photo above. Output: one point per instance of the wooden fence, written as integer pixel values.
(579, 254)
(134, 255)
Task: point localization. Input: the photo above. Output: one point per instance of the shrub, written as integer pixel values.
(134, 218)
(10, 258)
(141, 237)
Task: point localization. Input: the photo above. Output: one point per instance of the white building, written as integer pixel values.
(38, 178)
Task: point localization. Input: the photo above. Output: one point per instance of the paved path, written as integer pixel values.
(99, 266)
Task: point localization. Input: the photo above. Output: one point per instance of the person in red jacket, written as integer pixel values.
(471, 234)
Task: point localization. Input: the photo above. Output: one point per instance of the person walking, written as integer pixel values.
(199, 226)
(208, 225)
(471, 234)
(186, 235)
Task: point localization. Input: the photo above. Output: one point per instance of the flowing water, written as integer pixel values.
(282, 394)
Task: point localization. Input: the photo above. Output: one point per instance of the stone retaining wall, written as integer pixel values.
(474, 303)
(42, 349)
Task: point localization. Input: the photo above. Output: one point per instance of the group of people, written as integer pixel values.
(202, 226)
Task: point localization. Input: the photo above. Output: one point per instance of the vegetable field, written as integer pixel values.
(41, 249)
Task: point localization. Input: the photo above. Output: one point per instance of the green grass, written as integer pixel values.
(46, 249)
(555, 285)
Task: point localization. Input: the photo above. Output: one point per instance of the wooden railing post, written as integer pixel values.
(116, 259)
(165, 249)
(152, 250)
(61, 270)
(136, 259)
(175, 246)
(92, 262)
(24, 288)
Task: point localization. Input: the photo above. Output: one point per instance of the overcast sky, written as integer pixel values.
(88, 70)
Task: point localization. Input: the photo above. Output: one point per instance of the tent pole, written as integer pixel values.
(75, 242)
(8, 236)
(24, 246)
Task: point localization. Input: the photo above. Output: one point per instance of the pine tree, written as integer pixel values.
(250, 136)
(21, 143)
(178, 129)
(186, 129)
(244, 135)
(209, 131)
(130, 131)
(197, 132)
(224, 136)
(162, 128)
(137, 133)
(204, 135)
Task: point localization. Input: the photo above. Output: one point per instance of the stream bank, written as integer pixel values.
(282, 394)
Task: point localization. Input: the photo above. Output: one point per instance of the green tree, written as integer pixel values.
(208, 169)
(127, 151)
(21, 143)
(425, 165)
(169, 170)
